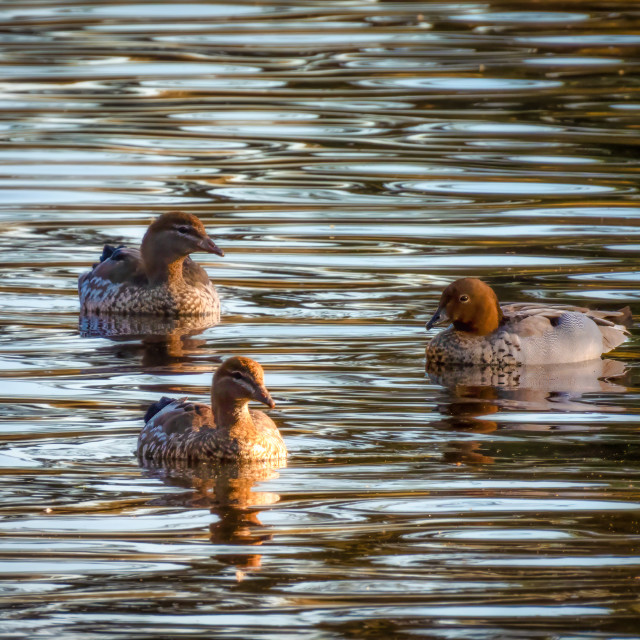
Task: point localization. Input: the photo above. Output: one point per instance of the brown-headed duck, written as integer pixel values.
(483, 332)
(180, 430)
(159, 278)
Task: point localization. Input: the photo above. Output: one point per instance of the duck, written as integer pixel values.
(483, 332)
(159, 278)
(179, 431)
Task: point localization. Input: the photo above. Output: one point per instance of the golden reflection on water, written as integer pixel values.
(475, 396)
(229, 492)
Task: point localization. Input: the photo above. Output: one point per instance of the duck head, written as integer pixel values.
(172, 237)
(470, 305)
(239, 380)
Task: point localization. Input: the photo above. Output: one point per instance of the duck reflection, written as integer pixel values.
(473, 394)
(162, 340)
(227, 491)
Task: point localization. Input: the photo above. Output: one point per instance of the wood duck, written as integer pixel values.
(157, 279)
(179, 430)
(483, 332)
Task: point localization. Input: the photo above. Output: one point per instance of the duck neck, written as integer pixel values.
(231, 413)
(485, 320)
(161, 266)
(490, 318)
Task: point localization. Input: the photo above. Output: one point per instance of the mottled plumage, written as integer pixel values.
(179, 430)
(157, 279)
(483, 332)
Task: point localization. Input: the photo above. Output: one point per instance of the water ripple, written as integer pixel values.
(352, 159)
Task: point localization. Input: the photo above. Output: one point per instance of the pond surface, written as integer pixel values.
(351, 158)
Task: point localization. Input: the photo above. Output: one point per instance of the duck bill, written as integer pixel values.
(439, 318)
(262, 395)
(209, 246)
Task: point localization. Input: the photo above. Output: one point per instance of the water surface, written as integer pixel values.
(351, 158)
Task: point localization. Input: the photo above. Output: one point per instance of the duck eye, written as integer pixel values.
(237, 375)
(185, 230)
(464, 298)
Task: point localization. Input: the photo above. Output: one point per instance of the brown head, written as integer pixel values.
(470, 305)
(238, 380)
(172, 237)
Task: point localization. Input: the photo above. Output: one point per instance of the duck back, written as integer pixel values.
(118, 284)
(177, 430)
(570, 337)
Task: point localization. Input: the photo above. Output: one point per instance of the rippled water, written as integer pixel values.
(351, 158)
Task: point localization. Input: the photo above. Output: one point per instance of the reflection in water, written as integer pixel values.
(146, 327)
(474, 394)
(227, 490)
(163, 340)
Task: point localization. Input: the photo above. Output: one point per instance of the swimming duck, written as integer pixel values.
(157, 279)
(179, 430)
(483, 332)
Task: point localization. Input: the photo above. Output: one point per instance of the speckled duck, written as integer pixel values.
(179, 430)
(484, 333)
(158, 279)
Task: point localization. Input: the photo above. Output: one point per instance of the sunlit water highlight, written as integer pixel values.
(351, 158)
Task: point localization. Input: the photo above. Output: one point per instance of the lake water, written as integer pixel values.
(351, 158)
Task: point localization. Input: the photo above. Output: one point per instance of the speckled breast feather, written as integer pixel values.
(503, 349)
(194, 437)
(101, 296)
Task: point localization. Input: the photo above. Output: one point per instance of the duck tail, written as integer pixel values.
(108, 250)
(613, 336)
(626, 317)
(156, 407)
(616, 334)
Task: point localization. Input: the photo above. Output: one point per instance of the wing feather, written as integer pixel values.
(520, 310)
